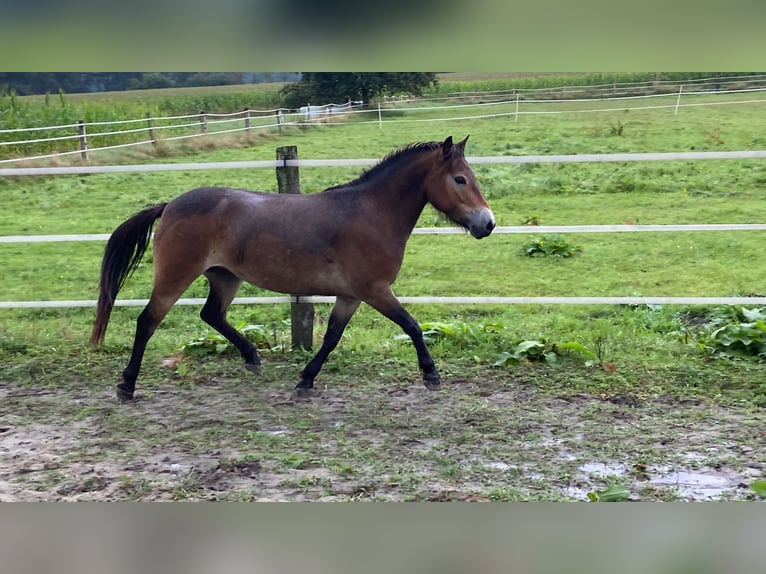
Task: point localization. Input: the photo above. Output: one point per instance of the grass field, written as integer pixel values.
(653, 412)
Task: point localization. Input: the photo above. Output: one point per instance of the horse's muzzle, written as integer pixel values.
(480, 222)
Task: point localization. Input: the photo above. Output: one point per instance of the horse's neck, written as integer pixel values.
(403, 198)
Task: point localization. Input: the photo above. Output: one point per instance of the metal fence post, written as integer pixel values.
(301, 314)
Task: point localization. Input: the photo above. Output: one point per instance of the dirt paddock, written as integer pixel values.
(236, 438)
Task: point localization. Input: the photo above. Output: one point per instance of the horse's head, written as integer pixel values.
(451, 188)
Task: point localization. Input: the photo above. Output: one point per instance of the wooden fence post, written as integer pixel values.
(83, 139)
(202, 122)
(247, 121)
(301, 314)
(150, 127)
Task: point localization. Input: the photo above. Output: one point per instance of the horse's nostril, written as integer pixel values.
(490, 226)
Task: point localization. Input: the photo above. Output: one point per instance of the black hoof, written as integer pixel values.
(432, 381)
(432, 385)
(254, 368)
(124, 395)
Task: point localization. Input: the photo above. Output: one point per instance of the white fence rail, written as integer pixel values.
(500, 230)
(414, 300)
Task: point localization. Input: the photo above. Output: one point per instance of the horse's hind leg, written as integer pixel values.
(168, 287)
(339, 317)
(223, 287)
(146, 324)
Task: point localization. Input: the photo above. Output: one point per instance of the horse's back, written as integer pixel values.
(206, 201)
(264, 238)
(214, 212)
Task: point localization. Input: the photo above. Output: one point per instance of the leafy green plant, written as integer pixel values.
(459, 332)
(540, 350)
(616, 129)
(530, 220)
(612, 493)
(214, 344)
(740, 333)
(759, 487)
(550, 246)
(746, 338)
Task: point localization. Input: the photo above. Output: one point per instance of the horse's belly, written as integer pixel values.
(313, 265)
(294, 275)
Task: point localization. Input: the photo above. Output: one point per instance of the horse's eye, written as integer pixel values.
(459, 179)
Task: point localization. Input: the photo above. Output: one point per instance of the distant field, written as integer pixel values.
(498, 79)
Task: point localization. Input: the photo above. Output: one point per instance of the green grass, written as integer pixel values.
(603, 193)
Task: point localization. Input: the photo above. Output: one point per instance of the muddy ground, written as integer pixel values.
(219, 434)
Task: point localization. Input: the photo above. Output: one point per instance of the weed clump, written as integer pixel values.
(731, 332)
(550, 246)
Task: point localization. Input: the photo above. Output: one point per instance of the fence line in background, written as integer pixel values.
(273, 113)
(516, 112)
(517, 97)
(609, 89)
(203, 123)
(500, 230)
(207, 123)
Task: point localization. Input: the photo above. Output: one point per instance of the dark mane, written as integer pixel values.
(392, 158)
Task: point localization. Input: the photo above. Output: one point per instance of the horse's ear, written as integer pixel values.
(447, 147)
(461, 144)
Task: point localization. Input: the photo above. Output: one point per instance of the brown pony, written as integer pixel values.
(347, 241)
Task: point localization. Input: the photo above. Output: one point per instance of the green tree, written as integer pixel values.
(152, 80)
(24, 83)
(339, 87)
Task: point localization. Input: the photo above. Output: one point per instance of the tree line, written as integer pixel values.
(301, 89)
(340, 87)
(28, 83)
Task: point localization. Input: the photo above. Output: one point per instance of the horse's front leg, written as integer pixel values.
(387, 304)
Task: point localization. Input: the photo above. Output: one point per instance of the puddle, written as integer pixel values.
(703, 484)
(497, 465)
(604, 469)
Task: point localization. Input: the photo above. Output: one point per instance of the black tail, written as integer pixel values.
(123, 252)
